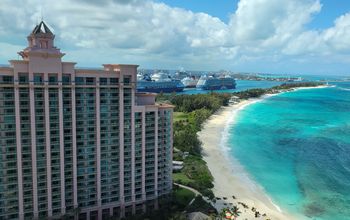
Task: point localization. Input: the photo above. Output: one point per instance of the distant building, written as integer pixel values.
(78, 141)
(185, 155)
(234, 100)
(177, 165)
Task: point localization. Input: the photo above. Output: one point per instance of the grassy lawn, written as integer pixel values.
(181, 178)
(178, 116)
(195, 174)
(196, 169)
(183, 196)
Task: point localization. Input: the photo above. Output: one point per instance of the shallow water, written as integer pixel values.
(296, 145)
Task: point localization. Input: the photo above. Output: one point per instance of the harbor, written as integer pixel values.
(202, 82)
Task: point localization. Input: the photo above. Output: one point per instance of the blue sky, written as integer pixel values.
(224, 8)
(331, 9)
(221, 9)
(271, 36)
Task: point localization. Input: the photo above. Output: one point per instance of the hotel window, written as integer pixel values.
(79, 80)
(127, 80)
(90, 81)
(53, 79)
(103, 81)
(6, 79)
(38, 79)
(23, 78)
(113, 81)
(66, 79)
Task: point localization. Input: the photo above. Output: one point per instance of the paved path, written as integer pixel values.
(192, 190)
(196, 192)
(189, 188)
(218, 204)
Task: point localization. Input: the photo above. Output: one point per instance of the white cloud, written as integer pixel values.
(155, 34)
(265, 26)
(332, 41)
(338, 37)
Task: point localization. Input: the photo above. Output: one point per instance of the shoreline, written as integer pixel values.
(230, 177)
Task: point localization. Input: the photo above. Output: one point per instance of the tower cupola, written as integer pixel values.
(41, 40)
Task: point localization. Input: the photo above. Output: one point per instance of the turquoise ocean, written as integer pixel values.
(296, 145)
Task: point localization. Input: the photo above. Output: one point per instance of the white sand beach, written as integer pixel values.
(230, 178)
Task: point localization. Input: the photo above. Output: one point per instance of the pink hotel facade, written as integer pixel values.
(78, 142)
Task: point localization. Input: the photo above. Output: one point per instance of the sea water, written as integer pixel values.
(296, 145)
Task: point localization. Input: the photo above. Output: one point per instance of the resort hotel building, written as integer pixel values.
(79, 143)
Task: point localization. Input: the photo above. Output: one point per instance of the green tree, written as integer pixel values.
(178, 216)
(199, 116)
(187, 140)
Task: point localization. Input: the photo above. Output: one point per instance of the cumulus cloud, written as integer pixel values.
(153, 33)
(338, 37)
(332, 41)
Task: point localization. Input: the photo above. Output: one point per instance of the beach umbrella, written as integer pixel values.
(228, 215)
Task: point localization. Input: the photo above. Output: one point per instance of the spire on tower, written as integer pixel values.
(41, 28)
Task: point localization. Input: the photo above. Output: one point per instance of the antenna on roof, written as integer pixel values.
(41, 12)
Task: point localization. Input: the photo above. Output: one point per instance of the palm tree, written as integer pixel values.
(235, 211)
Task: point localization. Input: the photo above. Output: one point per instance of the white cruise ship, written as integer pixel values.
(189, 82)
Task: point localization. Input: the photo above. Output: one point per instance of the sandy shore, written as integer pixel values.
(230, 178)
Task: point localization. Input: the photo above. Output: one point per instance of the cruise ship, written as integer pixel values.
(189, 82)
(215, 83)
(158, 82)
(180, 74)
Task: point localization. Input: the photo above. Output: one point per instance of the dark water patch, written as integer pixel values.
(257, 130)
(326, 158)
(326, 206)
(313, 210)
(287, 130)
(336, 131)
(285, 142)
(340, 107)
(304, 121)
(323, 176)
(287, 147)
